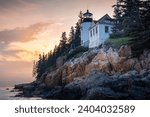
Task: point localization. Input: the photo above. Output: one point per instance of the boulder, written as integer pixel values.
(113, 56)
(76, 66)
(129, 74)
(146, 80)
(21, 86)
(144, 73)
(100, 93)
(101, 56)
(138, 66)
(94, 79)
(28, 90)
(60, 61)
(147, 63)
(138, 93)
(125, 51)
(54, 78)
(72, 91)
(129, 65)
(55, 93)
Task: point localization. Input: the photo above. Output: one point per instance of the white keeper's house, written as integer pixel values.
(94, 33)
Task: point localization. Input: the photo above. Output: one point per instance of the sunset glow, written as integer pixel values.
(31, 27)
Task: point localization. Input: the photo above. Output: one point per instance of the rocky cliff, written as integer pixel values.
(105, 73)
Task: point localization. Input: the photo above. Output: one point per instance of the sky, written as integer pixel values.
(30, 27)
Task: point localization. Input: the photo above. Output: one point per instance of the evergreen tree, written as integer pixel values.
(77, 36)
(141, 33)
(80, 17)
(47, 61)
(63, 43)
(34, 72)
(132, 17)
(77, 40)
(39, 66)
(126, 15)
(118, 19)
(71, 38)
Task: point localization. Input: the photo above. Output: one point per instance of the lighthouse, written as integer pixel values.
(85, 26)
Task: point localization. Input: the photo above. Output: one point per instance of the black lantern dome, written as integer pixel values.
(88, 17)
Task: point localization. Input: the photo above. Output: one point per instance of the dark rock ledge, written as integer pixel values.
(96, 86)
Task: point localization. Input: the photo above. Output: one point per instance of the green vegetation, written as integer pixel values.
(74, 53)
(132, 18)
(118, 41)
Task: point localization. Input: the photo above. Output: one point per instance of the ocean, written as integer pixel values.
(6, 94)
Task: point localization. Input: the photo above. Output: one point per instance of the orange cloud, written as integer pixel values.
(27, 43)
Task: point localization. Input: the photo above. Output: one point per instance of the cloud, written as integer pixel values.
(23, 5)
(19, 13)
(23, 34)
(25, 43)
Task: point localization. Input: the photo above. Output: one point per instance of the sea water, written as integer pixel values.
(7, 93)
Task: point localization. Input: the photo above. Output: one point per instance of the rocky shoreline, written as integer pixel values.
(129, 86)
(101, 74)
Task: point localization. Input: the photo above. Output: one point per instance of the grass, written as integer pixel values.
(118, 41)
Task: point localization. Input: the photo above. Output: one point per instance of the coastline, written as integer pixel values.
(9, 93)
(99, 74)
(96, 86)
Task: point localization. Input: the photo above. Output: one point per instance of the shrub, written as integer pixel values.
(76, 51)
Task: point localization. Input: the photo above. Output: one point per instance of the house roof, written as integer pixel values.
(106, 17)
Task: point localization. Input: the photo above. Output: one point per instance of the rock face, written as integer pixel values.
(125, 51)
(100, 86)
(54, 78)
(96, 74)
(70, 70)
(60, 61)
(112, 61)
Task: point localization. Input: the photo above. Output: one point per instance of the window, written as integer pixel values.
(106, 29)
(91, 33)
(96, 30)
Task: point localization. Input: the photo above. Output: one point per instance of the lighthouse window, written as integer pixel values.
(106, 29)
(91, 33)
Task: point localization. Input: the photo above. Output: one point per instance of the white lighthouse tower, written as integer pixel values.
(85, 25)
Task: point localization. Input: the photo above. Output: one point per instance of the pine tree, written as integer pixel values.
(141, 34)
(34, 72)
(133, 17)
(77, 40)
(80, 17)
(71, 38)
(77, 36)
(63, 43)
(47, 61)
(118, 19)
(39, 64)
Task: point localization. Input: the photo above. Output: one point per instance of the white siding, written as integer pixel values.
(85, 33)
(99, 38)
(103, 35)
(94, 40)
